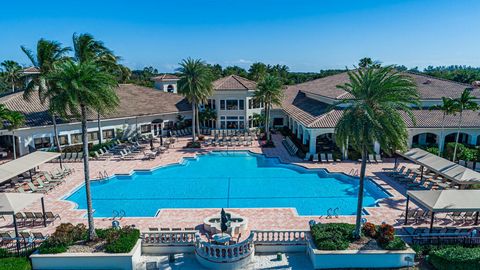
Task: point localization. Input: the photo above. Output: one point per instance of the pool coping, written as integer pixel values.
(184, 160)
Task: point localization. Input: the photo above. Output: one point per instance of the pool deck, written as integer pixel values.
(388, 211)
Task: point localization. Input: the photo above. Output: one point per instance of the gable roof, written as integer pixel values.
(234, 82)
(428, 87)
(134, 101)
(165, 77)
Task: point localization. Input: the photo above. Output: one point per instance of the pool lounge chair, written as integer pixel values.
(33, 188)
(31, 217)
(307, 157)
(48, 186)
(315, 157)
(371, 158)
(378, 158)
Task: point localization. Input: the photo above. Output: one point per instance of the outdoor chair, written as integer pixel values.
(307, 157)
(49, 179)
(48, 186)
(20, 217)
(153, 229)
(371, 158)
(315, 157)
(30, 217)
(455, 216)
(33, 188)
(51, 217)
(378, 158)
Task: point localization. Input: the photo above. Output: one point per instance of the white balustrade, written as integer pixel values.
(221, 253)
(168, 238)
(280, 237)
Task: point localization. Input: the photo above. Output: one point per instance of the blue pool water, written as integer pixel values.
(230, 180)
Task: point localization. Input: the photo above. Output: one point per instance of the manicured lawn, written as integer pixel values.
(15, 263)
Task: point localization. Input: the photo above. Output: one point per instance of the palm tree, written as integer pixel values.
(48, 53)
(14, 120)
(196, 85)
(78, 89)
(374, 115)
(464, 102)
(448, 107)
(257, 71)
(86, 48)
(11, 72)
(270, 92)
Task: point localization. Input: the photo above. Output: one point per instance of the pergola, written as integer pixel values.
(443, 201)
(450, 170)
(25, 164)
(12, 203)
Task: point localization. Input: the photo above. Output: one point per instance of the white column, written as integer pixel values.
(345, 150)
(376, 147)
(305, 136)
(473, 139)
(441, 142)
(312, 148)
(299, 132)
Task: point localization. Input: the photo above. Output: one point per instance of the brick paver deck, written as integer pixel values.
(388, 211)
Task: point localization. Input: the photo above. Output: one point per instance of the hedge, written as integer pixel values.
(455, 258)
(332, 236)
(17, 263)
(119, 241)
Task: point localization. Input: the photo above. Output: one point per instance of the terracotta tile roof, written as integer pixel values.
(312, 113)
(428, 87)
(30, 70)
(165, 77)
(234, 82)
(134, 101)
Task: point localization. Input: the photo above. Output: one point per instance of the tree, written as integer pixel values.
(368, 62)
(257, 71)
(216, 71)
(270, 92)
(448, 107)
(77, 89)
(14, 120)
(196, 85)
(87, 49)
(235, 70)
(12, 72)
(464, 102)
(374, 115)
(48, 53)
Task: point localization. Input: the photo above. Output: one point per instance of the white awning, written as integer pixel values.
(450, 170)
(24, 164)
(447, 200)
(11, 203)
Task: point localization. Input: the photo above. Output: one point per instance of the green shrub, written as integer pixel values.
(121, 241)
(396, 244)
(4, 253)
(17, 263)
(434, 150)
(65, 235)
(332, 236)
(455, 258)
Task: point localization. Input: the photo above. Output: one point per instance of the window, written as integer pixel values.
(211, 104)
(222, 104)
(77, 138)
(92, 136)
(63, 139)
(146, 128)
(232, 105)
(43, 142)
(241, 104)
(108, 134)
(232, 122)
(278, 121)
(254, 104)
(170, 88)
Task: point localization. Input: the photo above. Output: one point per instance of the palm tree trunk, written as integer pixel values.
(267, 122)
(56, 139)
(100, 129)
(13, 85)
(198, 121)
(14, 146)
(456, 138)
(91, 226)
(193, 120)
(360, 193)
(441, 134)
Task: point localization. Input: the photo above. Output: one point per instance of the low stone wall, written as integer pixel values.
(88, 261)
(325, 259)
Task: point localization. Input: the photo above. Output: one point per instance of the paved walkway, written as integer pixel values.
(266, 218)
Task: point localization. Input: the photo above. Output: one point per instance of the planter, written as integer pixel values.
(70, 261)
(324, 259)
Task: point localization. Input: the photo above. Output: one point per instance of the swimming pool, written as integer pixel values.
(230, 180)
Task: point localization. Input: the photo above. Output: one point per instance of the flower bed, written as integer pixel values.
(333, 246)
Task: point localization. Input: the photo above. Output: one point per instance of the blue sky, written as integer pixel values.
(305, 35)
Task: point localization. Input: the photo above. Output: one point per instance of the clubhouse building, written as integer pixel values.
(305, 110)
